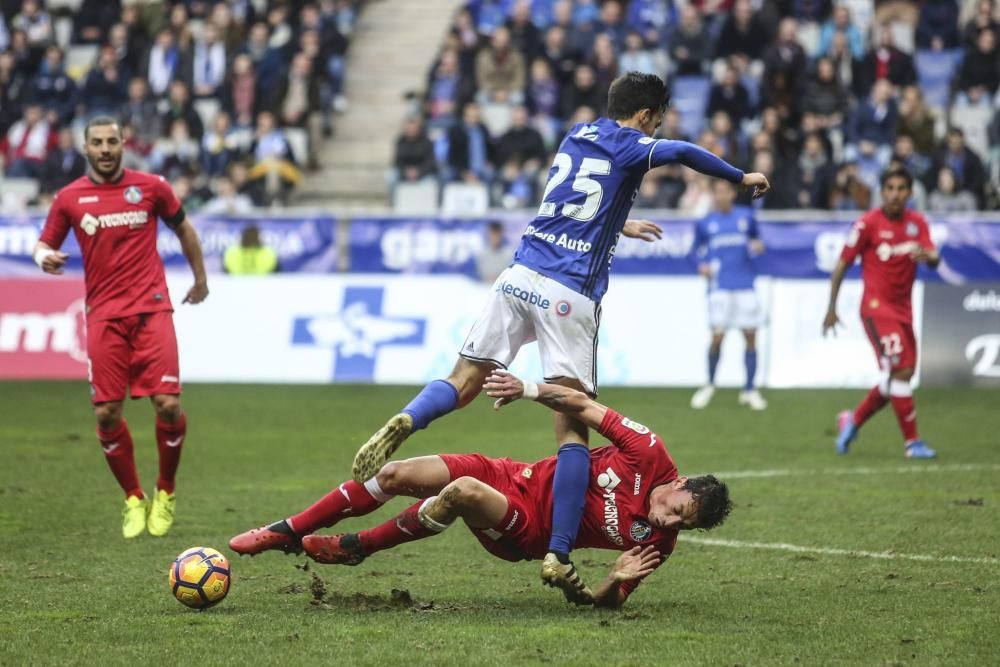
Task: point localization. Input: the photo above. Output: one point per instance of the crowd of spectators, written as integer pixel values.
(228, 99)
(820, 95)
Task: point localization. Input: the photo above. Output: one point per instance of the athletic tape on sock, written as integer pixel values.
(376, 492)
(883, 380)
(426, 521)
(900, 388)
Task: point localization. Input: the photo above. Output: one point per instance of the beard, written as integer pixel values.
(105, 171)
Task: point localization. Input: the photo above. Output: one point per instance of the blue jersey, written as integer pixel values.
(723, 241)
(592, 182)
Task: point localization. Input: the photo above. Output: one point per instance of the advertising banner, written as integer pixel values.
(388, 245)
(306, 244)
(42, 328)
(800, 250)
(301, 328)
(802, 357)
(961, 343)
(395, 330)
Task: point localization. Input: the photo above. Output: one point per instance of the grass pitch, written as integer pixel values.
(73, 592)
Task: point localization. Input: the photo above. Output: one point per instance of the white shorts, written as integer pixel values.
(728, 309)
(525, 306)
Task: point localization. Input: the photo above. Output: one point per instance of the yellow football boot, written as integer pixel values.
(161, 513)
(376, 452)
(134, 517)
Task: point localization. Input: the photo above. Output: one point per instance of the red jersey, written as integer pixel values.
(886, 268)
(617, 501)
(115, 225)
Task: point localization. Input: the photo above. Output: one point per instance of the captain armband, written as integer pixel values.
(176, 219)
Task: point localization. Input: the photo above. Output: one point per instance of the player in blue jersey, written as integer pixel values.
(552, 293)
(726, 241)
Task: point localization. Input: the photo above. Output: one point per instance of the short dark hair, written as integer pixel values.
(634, 91)
(712, 497)
(897, 172)
(100, 121)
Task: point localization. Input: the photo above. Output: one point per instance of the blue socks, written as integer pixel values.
(569, 487)
(713, 363)
(750, 360)
(435, 400)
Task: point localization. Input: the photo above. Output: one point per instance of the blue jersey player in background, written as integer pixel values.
(551, 293)
(725, 242)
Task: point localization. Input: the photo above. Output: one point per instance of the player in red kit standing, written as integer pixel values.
(131, 345)
(891, 241)
(636, 501)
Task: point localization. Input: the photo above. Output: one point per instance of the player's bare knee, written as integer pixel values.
(393, 478)
(109, 415)
(168, 408)
(461, 493)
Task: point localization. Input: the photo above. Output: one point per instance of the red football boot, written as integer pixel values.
(275, 537)
(334, 549)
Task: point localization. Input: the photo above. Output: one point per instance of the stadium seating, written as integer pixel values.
(973, 121)
(935, 71)
(82, 45)
(689, 95)
(16, 193)
(79, 59)
(791, 87)
(464, 199)
(419, 198)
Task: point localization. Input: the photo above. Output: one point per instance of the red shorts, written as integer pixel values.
(893, 341)
(522, 534)
(136, 353)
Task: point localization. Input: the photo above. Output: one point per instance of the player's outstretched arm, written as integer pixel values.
(690, 155)
(831, 321)
(507, 388)
(635, 563)
(48, 259)
(191, 245)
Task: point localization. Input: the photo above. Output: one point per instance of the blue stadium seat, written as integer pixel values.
(689, 95)
(935, 70)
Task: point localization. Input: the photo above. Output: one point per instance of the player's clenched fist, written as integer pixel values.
(756, 182)
(51, 261)
(197, 293)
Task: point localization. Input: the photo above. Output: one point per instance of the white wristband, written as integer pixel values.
(530, 390)
(42, 254)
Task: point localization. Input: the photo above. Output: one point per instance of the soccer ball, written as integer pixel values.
(199, 577)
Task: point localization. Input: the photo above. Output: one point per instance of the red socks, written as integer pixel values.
(119, 452)
(169, 440)
(406, 527)
(872, 403)
(348, 499)
(901, 395)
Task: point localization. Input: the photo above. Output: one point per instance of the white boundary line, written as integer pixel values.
(883, 555)
(900, 470)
